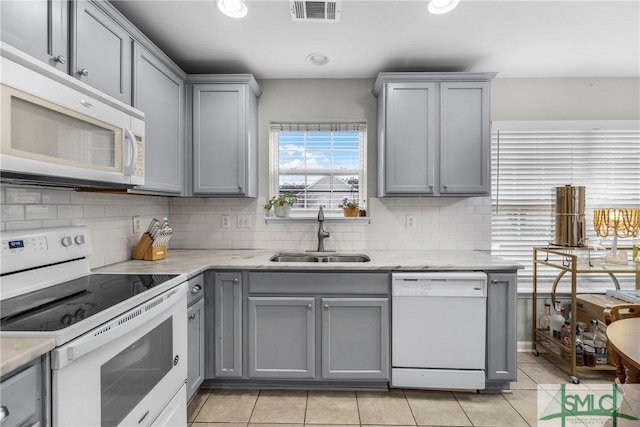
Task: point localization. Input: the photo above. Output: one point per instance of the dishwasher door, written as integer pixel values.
(439, 324)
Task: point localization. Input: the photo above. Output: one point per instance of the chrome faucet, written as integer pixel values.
(321, 233)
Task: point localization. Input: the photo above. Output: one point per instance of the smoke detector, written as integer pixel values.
(314, 11)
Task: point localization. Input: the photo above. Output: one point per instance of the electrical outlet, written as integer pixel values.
(137, 224)
(411, 222)
(226, 221)
(243, 221)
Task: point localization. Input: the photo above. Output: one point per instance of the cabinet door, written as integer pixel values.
(464, 138)
(410, 138)
(228, 325)
(159, 93)
(39, 28)
(219, 139)
(102, 52)
(195, 340)
(501, 327)
(355, 338)
(281, 337)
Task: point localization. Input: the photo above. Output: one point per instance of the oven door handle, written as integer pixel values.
(118, 327)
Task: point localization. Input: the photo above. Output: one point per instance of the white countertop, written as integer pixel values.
(195, 261)
(15, 352)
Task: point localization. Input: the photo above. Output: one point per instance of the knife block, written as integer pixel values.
(145, 249)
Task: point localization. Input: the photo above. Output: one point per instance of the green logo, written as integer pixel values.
(580, 405)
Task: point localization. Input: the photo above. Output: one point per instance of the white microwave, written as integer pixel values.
(56, 131)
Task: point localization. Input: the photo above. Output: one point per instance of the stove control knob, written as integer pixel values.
(79, 239)
(66, 241)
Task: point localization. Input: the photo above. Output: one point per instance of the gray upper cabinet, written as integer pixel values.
(281, 337)
(102, 51)
(224, 133)
(159, 92)
(433, 134)
(228, 325)
(501, 329)
(410, 136)
(39, 28)
(355, 338)
(465, 144)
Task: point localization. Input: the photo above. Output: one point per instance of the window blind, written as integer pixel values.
(319, 163)
(530, 159)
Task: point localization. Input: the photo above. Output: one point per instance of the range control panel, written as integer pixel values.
(23, 249)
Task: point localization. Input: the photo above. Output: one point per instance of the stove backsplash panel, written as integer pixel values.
(108, 216)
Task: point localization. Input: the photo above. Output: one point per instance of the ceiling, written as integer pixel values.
(517, 39)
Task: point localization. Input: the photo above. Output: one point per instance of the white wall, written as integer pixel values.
(566, 99)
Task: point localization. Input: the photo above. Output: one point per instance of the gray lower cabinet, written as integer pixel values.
(195, 340)
(281, 337)
(23, 395)
(355, 338)
(224, 135)
(433, 134)
(159, 92)
(227, 332)
(39, 28)
(501, 328)
(101, 51)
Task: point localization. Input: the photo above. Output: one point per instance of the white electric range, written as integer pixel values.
(120, 356)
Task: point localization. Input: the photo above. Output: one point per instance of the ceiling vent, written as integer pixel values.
(315, 11)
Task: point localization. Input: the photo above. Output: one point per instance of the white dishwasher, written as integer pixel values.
(438, 326)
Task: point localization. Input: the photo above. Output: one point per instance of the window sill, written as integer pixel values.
(361, 220)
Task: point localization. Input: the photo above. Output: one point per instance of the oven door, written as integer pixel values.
(126, 371)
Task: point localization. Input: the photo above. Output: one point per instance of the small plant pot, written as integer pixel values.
(283, 211)
(351, 212)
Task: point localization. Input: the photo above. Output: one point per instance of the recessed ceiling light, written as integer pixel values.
(438, 7)
(233, 8)
(318, 59)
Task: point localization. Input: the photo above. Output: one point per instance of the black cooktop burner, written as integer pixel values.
(62, 305)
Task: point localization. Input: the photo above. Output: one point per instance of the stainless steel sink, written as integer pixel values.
(318, 257)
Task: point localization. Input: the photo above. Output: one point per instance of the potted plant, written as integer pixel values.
(350, 207)
(281, 204)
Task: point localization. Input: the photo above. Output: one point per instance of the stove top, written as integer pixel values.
(62, 305)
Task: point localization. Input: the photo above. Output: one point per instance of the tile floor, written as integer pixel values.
(262, 408)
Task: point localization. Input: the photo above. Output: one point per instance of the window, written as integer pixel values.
(320, 164)
(530, 159)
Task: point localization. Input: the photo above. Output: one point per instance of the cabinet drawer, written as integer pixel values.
(319, 283)
(196, 289)
(19, 396)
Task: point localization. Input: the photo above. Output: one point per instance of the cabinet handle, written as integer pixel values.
(309, 306)
(239, 187)
(494, 282)
(60, 59)
(236, 280)
(192, 316)
(444, 187)
(196, 289)
(326, 306)
(4, 413)
(84, 72)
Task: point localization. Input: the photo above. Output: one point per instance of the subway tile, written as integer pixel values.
(56, 197)
(22, 196)
(40, 212)
(23, 225)
(12, 213)
(93, 211)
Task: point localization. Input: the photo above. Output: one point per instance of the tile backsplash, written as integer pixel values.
(441, 223)
(108, 216)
